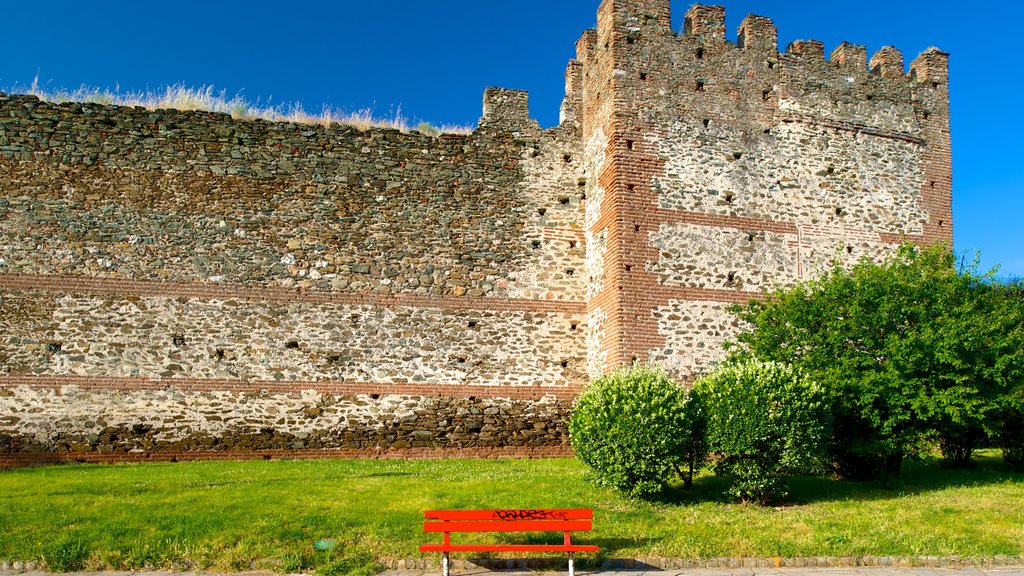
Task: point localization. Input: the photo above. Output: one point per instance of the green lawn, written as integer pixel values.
(267, 514)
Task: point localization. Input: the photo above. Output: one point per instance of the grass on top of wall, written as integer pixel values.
(268, 514)
(206, 98)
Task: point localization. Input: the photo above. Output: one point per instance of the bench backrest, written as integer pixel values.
(568, 519)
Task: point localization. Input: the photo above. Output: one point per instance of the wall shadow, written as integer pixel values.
(919, 476)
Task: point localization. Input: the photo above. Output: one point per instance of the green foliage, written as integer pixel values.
(765, 420)
(634, 429)
(66, 555)
(909, 348)
(1011, 429)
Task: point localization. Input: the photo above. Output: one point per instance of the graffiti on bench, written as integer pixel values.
(529, 515)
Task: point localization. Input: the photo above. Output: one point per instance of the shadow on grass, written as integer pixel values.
(556, 561)
(919, 476)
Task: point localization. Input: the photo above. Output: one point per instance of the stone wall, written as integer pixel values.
(200, 416)
(187, 285)
(444, 274)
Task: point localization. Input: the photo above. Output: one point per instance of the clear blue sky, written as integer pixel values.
(434, 59)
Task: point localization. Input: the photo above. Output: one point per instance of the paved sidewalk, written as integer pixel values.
(863, 571)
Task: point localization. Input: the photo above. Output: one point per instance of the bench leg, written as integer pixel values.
(572, 564)
(444, 563)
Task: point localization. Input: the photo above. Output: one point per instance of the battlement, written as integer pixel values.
(888, 62)
(850, 56)
(931, 66)
(806, 49)
(507, 109)
(758, 33)
(706, 23)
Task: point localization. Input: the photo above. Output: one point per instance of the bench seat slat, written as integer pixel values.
(535, 514)
(515, 526)
(507, 548)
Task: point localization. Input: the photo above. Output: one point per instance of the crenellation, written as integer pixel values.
(851, 57)
(572, 104)
(706, 22)
(214, 284)
(931, 67)
(509, 109)
(810, 50)
(758, 33)
(586, 45)
(888, 62)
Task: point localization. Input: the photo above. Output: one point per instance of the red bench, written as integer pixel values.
(565, 521)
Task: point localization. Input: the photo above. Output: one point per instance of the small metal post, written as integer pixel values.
(572, 564)
(444, 563)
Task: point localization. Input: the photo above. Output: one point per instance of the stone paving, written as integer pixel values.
(860, 571)
(1000, 571)
(863, 571)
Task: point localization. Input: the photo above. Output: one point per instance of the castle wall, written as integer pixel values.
(186, 285)
(140, 246)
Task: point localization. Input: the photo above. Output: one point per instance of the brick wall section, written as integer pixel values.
(32, 459)
(279, 387)
(931, 70)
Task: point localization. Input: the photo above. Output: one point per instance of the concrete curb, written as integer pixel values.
(428, 563)
(648, 564)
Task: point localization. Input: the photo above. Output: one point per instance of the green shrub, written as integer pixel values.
(634, 428)
(764, 420)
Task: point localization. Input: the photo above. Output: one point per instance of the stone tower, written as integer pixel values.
(720, 169)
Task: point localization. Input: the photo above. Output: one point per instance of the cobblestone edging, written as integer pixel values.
(20, 565)
(458, 564)
(704, 563)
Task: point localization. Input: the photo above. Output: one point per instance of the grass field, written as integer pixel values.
(267, 514)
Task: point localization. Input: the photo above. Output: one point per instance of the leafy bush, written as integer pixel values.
(920, 346)
(634, 428)
(764, 420)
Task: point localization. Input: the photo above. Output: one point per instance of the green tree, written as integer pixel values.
(765, 420)
(1010, 431)
(636, 428)
(911, 347)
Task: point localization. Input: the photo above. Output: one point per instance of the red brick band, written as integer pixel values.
(564, 235)
(154, 288)
(760, 225)
(853, 127)
(723, 221)
(37, 459)
(290, 387)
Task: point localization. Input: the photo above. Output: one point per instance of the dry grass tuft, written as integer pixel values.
(207, 98)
